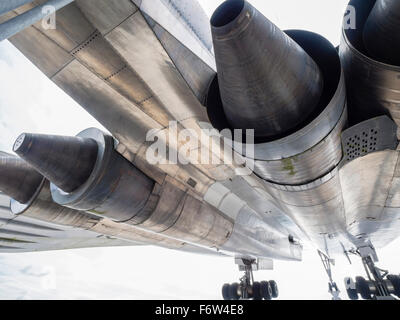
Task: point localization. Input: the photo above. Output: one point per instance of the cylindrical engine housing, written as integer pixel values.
(115, 188)
(267, 81)
(314, 149)
(373, 87)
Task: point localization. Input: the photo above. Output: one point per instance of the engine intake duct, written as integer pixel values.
(382, 32)
(18, 179)
(65, 161)
(370, 54)
(267, 81)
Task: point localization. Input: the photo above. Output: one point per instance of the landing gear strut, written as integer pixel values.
(248, 288)
(333, 288)
(380, 284)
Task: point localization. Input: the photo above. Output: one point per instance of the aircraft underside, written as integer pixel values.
(316, 158)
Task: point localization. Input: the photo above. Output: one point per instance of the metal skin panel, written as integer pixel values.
(254, 238)
(37, 14)
(373, 174)
(186, 21)
(67, 35)
(137, 44)
(97, 97)
(373, 87)
(317, 208)
(42, 208)
(197, 74)
(309, 165)
(46, 55)
(105, 15)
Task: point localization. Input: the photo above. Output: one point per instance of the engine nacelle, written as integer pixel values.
(311, 148)
(372, 76)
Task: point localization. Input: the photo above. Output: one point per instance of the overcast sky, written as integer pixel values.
(30, 102)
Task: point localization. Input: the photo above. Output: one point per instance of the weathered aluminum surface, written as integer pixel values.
(19, 23)
(373, 87)
(267, 81)
(42, 208)
(317, 207)
(186, 21)
(197, 73)
(309, 165)
(256, 233)
(370, 187)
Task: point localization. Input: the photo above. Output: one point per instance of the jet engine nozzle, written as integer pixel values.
(267, 81)
(18, 179)
(382, 32)
(87, 173)
(66, 161)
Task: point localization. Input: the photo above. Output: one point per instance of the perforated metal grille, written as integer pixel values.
(362, 143)
(369, 136)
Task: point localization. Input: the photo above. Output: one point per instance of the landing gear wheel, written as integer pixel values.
(395, 280)
(363, 288)
(226, 292)
(234, 291)
(266, 291)
(257, 291)
(351, 288)
(274, 289)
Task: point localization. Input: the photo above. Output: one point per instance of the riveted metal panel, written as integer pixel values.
(98, 55)
(105, 104)
(106, 14)
(44, 53)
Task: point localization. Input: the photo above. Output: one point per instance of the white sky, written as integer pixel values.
(30, 102)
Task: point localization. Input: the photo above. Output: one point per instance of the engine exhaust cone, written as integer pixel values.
(66, 161)
(267, 81)
(18, 179)
(382, 32)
